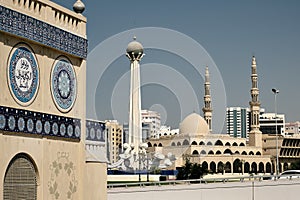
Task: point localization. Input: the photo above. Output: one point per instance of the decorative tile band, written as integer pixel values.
(95, 131)
(28, 27)
(36, 123)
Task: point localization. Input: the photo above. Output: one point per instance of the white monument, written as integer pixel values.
(135, 53)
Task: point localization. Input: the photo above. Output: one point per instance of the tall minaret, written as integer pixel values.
(255, 135)
(134, 52)
(207, 109)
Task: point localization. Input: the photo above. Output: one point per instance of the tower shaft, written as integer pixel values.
(135, 125)
(255, 135)
(207, 109)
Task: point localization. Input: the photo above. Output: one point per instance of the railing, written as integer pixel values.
(251, 178)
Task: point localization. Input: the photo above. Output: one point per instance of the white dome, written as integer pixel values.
(194, 124)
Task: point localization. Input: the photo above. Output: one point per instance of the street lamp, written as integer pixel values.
(275, 91)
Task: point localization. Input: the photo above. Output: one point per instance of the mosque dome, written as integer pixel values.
(135, 48)
(78, 6)
(193, 124)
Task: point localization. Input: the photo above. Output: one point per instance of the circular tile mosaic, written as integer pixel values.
(47, 127)
(21, 123)
(63, 84)
(2, 121)
(39, 126)
(30, 125)
(11, 123)
(23, 75)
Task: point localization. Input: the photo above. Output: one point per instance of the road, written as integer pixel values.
(248, 190)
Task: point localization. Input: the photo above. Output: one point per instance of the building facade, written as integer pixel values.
(114, 132)
(152, 118)
(237, 121)
(269, 121)
(42, 104)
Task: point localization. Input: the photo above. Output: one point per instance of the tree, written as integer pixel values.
(190, 171)
(295, 165)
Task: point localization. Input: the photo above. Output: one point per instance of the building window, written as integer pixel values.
(20, 181)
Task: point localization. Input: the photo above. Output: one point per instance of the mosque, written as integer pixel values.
(221, 153)
(48, 148)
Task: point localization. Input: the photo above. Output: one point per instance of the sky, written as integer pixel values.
(230, 33)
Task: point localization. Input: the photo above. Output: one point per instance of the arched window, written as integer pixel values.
(209, 143)
(242, 144)
(227, 151)
(20, 181)
(237, 152)
(244, 153)
(173, 144)
(178, 144)
(258, 153)
(234, 144)
(185, 142)
(227, 144)
(160, 145)
(149, 144)
(211, 152)
(219, 143)
(195, 152)
(251, 153)
(203, 152)
(212, 167)
(201, 143)
(218, 152)
(194, 143)
(155, 145)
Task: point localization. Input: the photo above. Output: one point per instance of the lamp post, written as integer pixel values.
(275, 91)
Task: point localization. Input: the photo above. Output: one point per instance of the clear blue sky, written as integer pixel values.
(231, 32)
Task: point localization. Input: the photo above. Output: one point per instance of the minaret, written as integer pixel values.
(207, 109)
(255, 135)
(135, 54)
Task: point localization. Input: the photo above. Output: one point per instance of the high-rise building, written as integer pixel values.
(292, 128)
(152, 118)
(114, 132)
(238, 122)
(268, 123)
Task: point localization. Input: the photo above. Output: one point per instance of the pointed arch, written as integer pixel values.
(201, 143)
(211, 152)
(228, 151)
(258, 153)
(204, 166)
(234, 144)
(178, 144)
(251, 153)
(218, 143)
(268, 167)
(246, 167)
(242, 144)
(213, 167)
(218, 152)
(227, 144)
(195, 152)
(261, 167)
(160, 144)
(185, 142)
(194, 143)
(244, 153)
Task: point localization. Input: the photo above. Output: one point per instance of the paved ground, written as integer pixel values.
(264, 190)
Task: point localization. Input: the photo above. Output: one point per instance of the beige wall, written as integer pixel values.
(43, 151)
